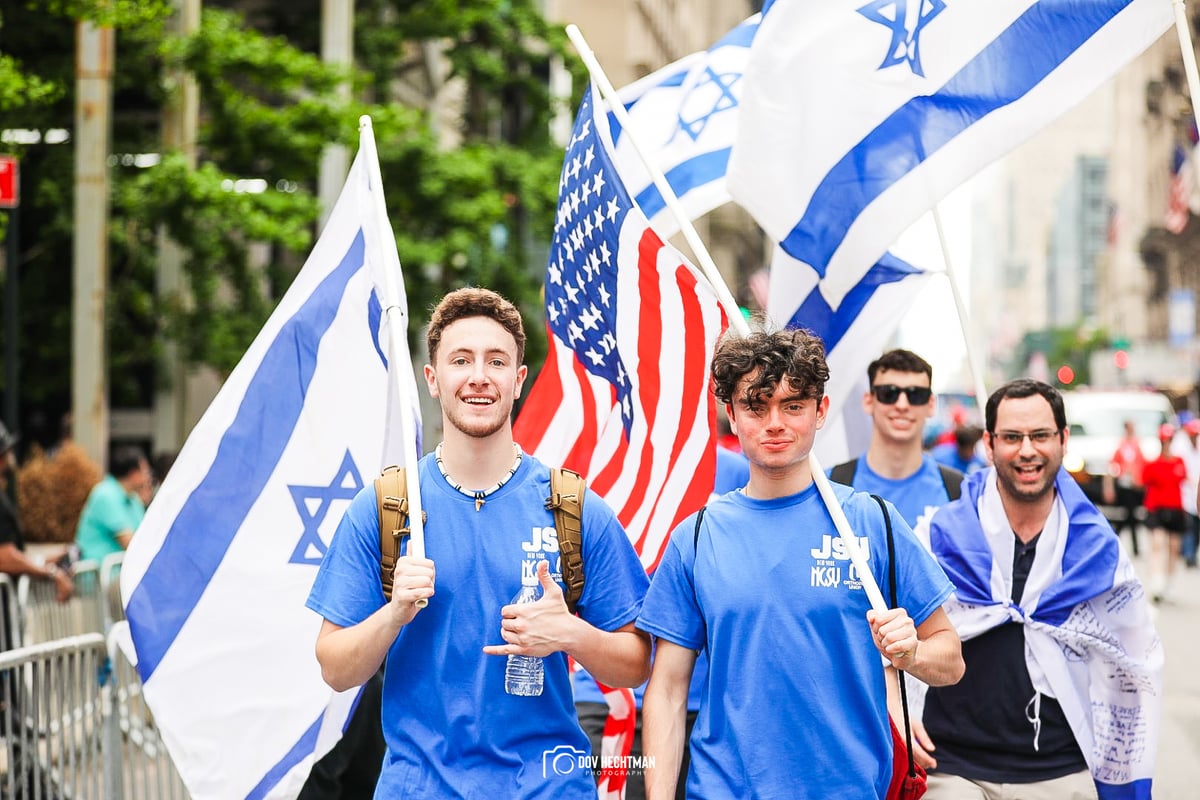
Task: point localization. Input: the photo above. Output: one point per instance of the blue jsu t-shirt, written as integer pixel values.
(918, 495)
(451, 729)
(795, 704)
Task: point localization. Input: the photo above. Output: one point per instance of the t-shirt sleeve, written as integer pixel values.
(671, 610)
(347, 589)
(614, 581)
(112, 513)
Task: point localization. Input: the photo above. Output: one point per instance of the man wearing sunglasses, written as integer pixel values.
(899, 403)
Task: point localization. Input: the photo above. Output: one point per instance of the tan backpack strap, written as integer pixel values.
(567, 491)
(391, 497)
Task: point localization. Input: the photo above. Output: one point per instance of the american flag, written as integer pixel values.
(623, 397)
(1182, 185)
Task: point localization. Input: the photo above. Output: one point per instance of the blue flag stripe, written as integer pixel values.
(1007, 69)
(831, 325)
(213, 513)
(303, 747)
(684, 177)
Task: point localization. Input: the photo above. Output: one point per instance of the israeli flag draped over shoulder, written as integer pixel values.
(1090, 641)
(216, 576)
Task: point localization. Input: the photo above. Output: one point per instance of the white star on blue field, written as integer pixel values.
(906, 33)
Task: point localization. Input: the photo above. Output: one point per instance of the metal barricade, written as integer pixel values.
(110, 588)
(44, 619)
(146, 770)
(53, 718)
(11, 634)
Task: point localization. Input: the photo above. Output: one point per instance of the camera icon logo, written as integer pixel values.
(561, 760)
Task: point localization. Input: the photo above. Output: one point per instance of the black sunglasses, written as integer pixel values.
(888, 394)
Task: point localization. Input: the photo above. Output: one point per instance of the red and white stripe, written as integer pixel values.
(668, 321)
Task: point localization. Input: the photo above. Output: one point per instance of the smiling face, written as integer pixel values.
(476, 376)
(901, 421)
(1025, 470)
(776, 432)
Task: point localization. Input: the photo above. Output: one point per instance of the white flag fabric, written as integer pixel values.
(685, 115)
(857, 117)
(217, 574)
(855, 332)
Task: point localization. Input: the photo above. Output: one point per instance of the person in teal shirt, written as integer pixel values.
(115, 506)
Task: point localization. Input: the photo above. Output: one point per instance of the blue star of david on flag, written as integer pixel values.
(344, 486)
(714, 94)
(905, 47)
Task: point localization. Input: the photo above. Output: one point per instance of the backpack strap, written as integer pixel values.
(391, 498)
(952, 479)
(567, 490)
(844, 473)
(891, 546)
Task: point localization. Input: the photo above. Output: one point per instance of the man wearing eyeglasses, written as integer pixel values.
(1063, 683)
(899, 403)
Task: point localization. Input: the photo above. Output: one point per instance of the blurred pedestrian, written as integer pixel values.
(1164, 478)
(1123, 484)
(963, 453)
(13, 560)
(1187, 447)
(116, 505)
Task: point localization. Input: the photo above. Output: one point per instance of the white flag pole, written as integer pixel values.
(736, 320)
(1189, 56)
(972, 361)
(397, 317)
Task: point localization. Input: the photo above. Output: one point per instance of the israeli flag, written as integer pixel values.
(686, 115)
(216, 576)
(858, 115)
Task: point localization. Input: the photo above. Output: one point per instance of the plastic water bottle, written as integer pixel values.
(523, 674)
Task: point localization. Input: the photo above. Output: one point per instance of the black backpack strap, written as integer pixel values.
(696, 534)
(844, 473)
(952, 479)
(891, 546)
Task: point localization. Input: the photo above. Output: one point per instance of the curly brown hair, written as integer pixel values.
(767, 358)
(470, 302)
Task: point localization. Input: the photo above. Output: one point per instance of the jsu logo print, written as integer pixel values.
(542, 544)
(830, 563)
(542, 540)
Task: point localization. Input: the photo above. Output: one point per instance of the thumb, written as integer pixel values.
(548, 584)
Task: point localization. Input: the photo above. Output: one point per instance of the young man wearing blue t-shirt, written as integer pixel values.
(795, 704)
(899, 403)
(452, 730)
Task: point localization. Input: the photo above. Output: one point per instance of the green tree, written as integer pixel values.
(471, 194)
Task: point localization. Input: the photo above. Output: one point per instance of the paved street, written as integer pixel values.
(1178, 619)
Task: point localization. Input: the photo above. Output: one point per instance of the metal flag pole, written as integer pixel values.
(397, 317)
(736, 320)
